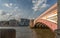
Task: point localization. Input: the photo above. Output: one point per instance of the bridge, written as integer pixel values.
(46, 19)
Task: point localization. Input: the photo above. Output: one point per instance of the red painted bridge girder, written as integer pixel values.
(51, 25)
(43, 18)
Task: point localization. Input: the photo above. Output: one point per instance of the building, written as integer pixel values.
(4, 23)
(24, 22)
(13, 22)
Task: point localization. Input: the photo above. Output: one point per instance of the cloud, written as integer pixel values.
(43, 6)
(33, 1)
(12, 14)
(8, 5)
(39, 4)
(4, 15)
(16, 7)
(11, 4)
(2, 12)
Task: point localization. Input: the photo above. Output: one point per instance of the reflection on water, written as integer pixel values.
(26, 32)
(44, 33)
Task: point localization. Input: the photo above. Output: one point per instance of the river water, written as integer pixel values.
(27, 32)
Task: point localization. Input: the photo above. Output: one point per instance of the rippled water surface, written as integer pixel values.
(26, 32)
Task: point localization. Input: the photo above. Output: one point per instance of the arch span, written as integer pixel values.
(51, 25)
(49, 17)
(41, 25)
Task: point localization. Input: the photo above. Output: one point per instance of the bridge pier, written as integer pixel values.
(31, 23)
(58, 30)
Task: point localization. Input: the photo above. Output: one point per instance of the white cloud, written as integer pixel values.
(1, 12)
(14, 14)
(16, 7)
(33, 1)
(38, 5)
(45, 5)
(8, 5)
(4, 15)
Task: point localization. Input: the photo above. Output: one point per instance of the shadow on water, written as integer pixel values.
(44, 33)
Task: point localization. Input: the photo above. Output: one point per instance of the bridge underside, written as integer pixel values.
(48, 18)
(41, 23)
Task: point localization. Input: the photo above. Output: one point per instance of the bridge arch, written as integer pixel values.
(41, 25)
(49, 17)
(49, 24)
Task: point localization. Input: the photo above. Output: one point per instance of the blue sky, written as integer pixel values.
(42, 6)
(10, 9)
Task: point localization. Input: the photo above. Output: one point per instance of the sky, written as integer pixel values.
(30, 9)
(41, 6)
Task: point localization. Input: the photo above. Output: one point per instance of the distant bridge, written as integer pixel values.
(47, 19)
